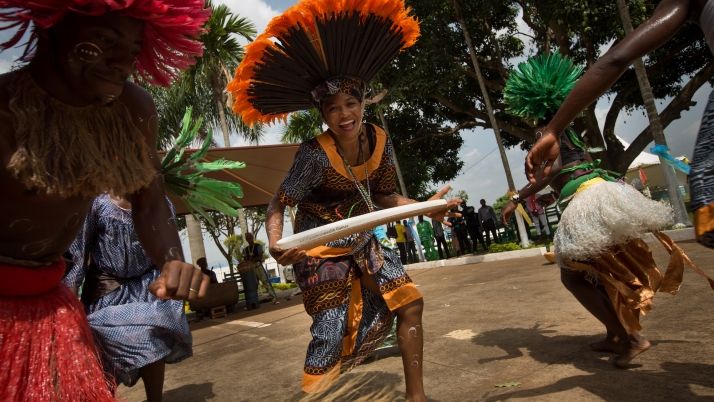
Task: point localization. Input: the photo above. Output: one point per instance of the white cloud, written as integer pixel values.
(257, 11)
(483, 175)
(473, 154)
(5, 65)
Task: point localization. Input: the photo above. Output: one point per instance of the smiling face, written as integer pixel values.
(343, 115)
(95, 56)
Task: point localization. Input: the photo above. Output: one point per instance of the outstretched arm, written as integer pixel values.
(274, 227)
(666, 20)
(395, 200)
(154, 223)
(541, 182)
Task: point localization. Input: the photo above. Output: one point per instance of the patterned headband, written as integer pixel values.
(347, 85)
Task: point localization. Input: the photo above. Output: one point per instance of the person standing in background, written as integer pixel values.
(438, 230)
(488, 222)
(427, 239)
(537, 212)
(401, 242)
(412, 256)
(256, 255)
(473, 226)
(458, 228)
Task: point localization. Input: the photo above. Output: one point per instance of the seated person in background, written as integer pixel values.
(203, 264)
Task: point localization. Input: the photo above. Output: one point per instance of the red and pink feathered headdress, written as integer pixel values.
(170, 35)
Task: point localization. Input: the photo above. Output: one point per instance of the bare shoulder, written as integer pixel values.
(6, 135)
(142, 109)
(138, 100)
(5, 85)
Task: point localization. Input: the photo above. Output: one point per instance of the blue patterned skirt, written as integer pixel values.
(133, 329)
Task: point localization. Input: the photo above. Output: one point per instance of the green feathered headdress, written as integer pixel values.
(185, 176)
(536, 88)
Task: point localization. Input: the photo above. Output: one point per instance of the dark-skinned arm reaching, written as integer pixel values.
(155, 226)
(541, 182)
(667, 19)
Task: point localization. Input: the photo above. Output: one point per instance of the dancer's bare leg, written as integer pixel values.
(618, 340)
(635, 345)
(599, 305)
(153, 376)
(410, 338)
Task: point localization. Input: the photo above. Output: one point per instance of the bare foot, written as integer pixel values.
(636, 346)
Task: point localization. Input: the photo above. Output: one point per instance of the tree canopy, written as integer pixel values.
(435, 89)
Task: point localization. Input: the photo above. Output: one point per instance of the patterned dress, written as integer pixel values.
(132, 327)
(349, 321)
(701, 176)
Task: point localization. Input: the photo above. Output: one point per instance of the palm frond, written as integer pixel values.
(203, 85)
(217, 165)
(185, 177)
(302, 126)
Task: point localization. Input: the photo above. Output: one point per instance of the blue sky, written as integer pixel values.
(482, 175)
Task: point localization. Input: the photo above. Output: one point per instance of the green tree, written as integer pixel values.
(256, 219)
(424, 159)
(580, 29)
(224, 229)
(302, 126)
(203, 88)
(680, 212)
(206, 81)
(435, 79)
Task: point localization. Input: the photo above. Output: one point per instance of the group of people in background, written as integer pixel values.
(429, 241)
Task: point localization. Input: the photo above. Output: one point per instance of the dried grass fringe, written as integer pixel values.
(75, 151)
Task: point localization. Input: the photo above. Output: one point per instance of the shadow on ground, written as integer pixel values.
(190, 393)
(673, 381)
(373, 386)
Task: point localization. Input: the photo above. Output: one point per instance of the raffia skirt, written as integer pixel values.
(601, 232)
(47, 352)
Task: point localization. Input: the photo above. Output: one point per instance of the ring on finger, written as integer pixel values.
(192, 290)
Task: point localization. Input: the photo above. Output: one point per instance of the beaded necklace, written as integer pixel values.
(364, 191)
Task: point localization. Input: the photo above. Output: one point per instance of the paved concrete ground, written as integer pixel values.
(503, 330)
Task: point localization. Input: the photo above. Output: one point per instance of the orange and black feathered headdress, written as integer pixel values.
(313, 42)
(171, 32)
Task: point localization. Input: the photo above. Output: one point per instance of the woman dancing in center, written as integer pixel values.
(354, 286)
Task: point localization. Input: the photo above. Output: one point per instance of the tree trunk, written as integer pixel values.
(195, 238)
(396, 162)
(680, 212)
(242, 222)
(492, 118)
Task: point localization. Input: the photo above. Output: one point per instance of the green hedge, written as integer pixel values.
(499, 247)
(284, 286)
